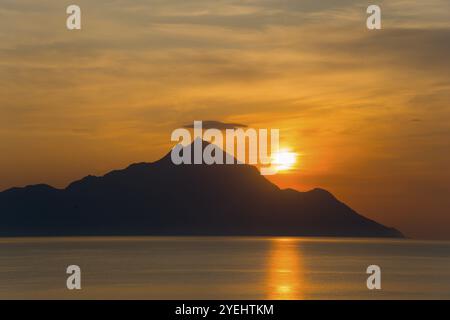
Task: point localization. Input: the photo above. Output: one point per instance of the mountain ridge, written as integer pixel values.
(160, 198)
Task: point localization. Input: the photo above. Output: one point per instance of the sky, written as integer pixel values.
(368, 112)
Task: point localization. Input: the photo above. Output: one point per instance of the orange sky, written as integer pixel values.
(368, 111)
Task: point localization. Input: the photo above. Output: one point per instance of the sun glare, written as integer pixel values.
(284, 160)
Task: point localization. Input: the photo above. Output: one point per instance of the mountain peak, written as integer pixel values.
(161, 198)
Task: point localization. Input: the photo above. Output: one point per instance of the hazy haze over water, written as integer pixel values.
(223, 268)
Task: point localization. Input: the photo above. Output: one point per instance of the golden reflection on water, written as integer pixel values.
(285, 279)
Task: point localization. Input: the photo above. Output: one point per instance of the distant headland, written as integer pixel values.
(162, 198)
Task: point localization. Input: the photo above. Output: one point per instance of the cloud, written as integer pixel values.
(212, 124)
(343, 96)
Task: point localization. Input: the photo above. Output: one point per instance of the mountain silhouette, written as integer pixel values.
(162, 198)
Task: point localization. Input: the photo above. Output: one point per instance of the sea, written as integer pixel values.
(286, 268)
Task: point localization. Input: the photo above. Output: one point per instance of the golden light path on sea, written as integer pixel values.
(285, 279)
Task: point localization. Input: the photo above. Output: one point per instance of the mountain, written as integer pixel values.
(161, 198)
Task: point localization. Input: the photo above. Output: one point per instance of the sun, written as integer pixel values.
(284, 160)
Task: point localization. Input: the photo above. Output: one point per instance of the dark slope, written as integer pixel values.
(164, 199)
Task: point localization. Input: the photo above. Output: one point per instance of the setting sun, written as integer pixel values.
(284, 160)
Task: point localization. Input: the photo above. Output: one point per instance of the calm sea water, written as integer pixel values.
(223, 268)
